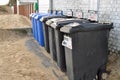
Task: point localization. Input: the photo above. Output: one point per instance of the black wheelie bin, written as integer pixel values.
(86, 49)
(58, 37)
(51, 36)
(45, 29)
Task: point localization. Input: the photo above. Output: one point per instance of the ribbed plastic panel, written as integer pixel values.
(60, 50)
(46, 37)
(52, 43)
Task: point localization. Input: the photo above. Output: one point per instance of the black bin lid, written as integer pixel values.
(84, 27)
(45, 18)
(58, 24)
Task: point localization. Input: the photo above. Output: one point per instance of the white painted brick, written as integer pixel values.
(109, 10)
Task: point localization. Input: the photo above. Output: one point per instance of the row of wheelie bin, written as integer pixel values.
(37, 26)
(79, 46)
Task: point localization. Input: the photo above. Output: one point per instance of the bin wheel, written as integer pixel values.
(102, 76)
(101, 71)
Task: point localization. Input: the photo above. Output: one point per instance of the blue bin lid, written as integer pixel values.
(33, 15)
(39, 15)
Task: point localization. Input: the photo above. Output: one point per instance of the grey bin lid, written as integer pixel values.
(84, 27)
(45, 18)
(60, 24)
(50, 21)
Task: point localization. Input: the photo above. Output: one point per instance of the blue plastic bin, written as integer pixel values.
(34, 26)
(39, 28)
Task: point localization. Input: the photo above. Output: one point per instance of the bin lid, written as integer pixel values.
(53, 20)
(39, 15)
(84, 27)
(58, 24)
(45, 18)
(32, 15)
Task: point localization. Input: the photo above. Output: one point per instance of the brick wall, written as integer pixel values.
(109, 11)
(15, 9)
(72, 4)
(24, 9)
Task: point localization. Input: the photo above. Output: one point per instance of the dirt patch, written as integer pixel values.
(11, 35)
(16, 62)
(5, 10)
(114, 67)
(13, 21)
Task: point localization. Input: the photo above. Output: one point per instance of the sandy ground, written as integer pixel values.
(17, 62)
(12, 21)
(5, 10)
(114, 67)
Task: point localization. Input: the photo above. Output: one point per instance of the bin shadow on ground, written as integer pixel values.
(47, 62)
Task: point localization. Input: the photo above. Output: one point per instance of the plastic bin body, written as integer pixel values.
(60, 50)
(58, 40)
(52, 43)
(86, 52)
(45, 30)
(40, 33)
(46, 37)
(35, 29)
(39, 28)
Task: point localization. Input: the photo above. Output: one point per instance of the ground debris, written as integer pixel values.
(13, 21)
